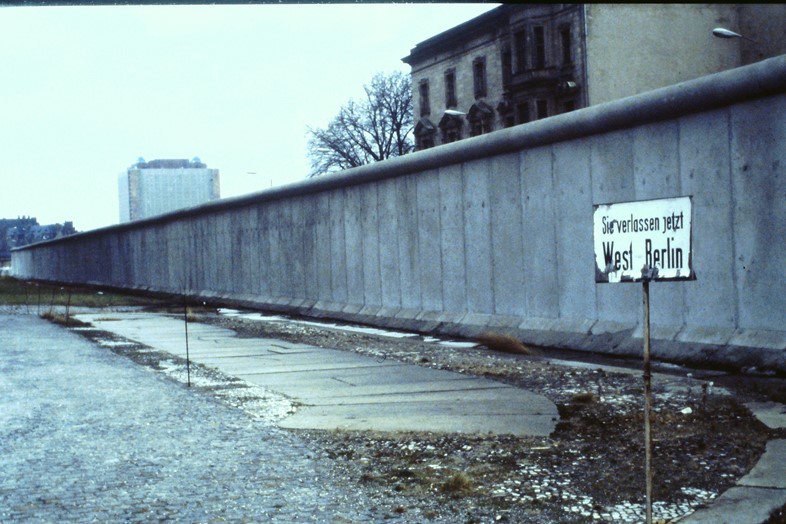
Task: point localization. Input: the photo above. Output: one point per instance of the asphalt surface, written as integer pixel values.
(88, 436)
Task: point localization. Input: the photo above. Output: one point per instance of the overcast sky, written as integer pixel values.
(86, 91)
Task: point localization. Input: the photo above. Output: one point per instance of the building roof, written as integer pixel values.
(449, 39)
(165, 163)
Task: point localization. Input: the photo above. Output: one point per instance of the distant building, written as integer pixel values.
(519, 63)
(152, 188)
(17, 232)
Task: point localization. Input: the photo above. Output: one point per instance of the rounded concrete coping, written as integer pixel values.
(759, 80)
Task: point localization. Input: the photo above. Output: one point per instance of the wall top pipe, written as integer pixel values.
(759, 80)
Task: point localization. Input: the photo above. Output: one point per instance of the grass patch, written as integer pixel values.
(59, 318)
(14, 292)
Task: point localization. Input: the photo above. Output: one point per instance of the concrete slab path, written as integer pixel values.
(344, 390)
(762, 490)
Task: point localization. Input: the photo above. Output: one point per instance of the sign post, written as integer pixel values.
(644, 241)
(647, 404)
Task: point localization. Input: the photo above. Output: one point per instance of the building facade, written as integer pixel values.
(152, 188)
(512, 65)
(18, 232)
(519, 63)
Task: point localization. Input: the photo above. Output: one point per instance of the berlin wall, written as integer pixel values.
(495, 233)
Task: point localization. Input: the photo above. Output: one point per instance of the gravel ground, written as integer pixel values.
(591, 469)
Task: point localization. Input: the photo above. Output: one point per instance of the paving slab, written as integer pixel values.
(770, 471)
(366, 395)
(328, 389)
(507, 424)
(344, 390)
(280, 364)
(739, 505)
(772, 414)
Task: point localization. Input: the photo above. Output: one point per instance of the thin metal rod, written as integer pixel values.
(188, 360)
(52, 304)
(647, 403)
(68, 307)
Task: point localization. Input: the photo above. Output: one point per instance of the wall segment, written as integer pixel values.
(495, 232)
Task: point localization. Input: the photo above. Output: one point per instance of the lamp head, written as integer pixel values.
(721, 32)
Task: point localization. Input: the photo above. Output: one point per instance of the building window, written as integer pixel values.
(567, 42)
(425, 142)
(539, 38)
(480, 117)
(479, 76)
(522, 113)
(542, 107)
(452, 134)
(425, 105)
(424, 134)
(450, 88)
(451, 125)
(568, 106)
(506, 115)
(507, 67)
(520, 47)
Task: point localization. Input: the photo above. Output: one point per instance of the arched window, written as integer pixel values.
(481, 117)
(451, 126)
(425, 133)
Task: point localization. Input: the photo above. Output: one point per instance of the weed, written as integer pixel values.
(584, 398)
(191, 315)
(503, 343)
(457, 484)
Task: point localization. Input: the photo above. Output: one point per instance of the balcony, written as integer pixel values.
(529, 78)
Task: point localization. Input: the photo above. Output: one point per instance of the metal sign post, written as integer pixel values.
(185, 323)
(644, 241)
(647, 403)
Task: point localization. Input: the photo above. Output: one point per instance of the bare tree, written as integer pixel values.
(367, 130)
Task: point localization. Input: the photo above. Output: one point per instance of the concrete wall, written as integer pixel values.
(495, 232)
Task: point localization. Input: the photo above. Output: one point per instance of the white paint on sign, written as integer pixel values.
(644, 240)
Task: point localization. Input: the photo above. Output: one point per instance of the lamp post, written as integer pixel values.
(754, 52)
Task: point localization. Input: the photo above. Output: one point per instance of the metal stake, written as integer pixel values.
(52, 304)
(68, 307)
(647, 403)
(188, 360)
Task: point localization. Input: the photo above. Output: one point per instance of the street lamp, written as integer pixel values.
(722, 32)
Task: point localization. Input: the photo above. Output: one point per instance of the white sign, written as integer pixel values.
(645, 240)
